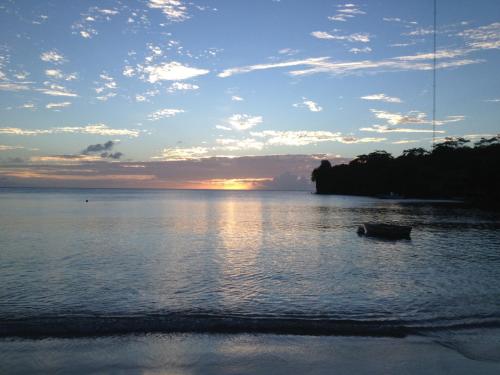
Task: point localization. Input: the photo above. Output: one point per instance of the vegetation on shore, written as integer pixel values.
(453, 169)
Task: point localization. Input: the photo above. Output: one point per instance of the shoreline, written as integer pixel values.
(246, 354)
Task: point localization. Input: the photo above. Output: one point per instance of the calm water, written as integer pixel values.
(208, 260)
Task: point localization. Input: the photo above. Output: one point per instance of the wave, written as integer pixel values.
(90, 325)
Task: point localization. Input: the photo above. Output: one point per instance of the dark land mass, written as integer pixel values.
(452, 170)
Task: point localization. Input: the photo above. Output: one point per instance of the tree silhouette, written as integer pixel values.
(453, 169)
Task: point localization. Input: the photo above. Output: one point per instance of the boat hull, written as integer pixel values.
(386, 230)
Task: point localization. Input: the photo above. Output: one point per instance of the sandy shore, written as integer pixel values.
(245, 354)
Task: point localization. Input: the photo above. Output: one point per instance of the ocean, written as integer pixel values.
(151, 261)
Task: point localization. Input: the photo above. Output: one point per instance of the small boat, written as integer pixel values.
(385, 230)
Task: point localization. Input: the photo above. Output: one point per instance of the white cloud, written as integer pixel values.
(96, 129)
(356, 37)
(180, 86)
(10, 148)
(405, 141)
(236, 98)
(172, 71)
(382, 98)
(106, 96)
(53, 57)
(108, 12)
(58, 74)
(345, 12)
(419, 61)
(230, 144)
(222, 127)
(245, 69)
(388, 129)
(309, 104)
(174, 10)
(393, 118)
(128, 71)
(412, 117)
(106, 88)
(56, 90)
(288, 51)
(140, 98)
(27, 106)
(14, 86)
(58, 105)
(307, 137)
(243, 121)
(164, 113)
(483, 37)
(360, 50)
(178, 153)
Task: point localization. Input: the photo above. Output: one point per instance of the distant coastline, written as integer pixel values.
(452, 170)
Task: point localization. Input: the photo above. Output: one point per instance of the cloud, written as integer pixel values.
(172, 71)
(382, 98)
(57, 74)
(91, 153)
(222, 127)
(56, 90)
(98, 148)
(309, 104)
(388, 129)
(483, 37)
(393, 118)
(10, 148)
(229, 144)
(360, 50)
(58, 105)
(180, 86)
(412, 117)
(243, 121)
(52, 57)
(180, 153)
(179, 172)
(406, 141)
(106, 87)
(64, 159)
(286, 181)
(128, 71)
(307, 137)
(174, 10)
(164, 113)
(356, 37)
(345, 12)
(14, 86)
(96, 129)
(27, 106)
(422, 62)
(288, 51)
(85, 26)
(246, 69)
(236, 98)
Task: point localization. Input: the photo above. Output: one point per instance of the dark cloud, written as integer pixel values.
(116, 155)
(98, 148)
(288, 172)
(287, 181)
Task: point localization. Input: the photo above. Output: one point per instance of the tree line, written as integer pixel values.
(454, 168)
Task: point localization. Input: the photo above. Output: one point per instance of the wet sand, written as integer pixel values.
(247, 354)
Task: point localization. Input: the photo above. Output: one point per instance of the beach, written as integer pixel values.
(183, 354)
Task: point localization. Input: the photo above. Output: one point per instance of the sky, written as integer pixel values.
(234, 94)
